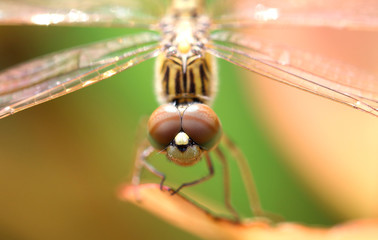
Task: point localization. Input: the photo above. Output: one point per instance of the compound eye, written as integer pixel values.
(163, 126)
(202, 125)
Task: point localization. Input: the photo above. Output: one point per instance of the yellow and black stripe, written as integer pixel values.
(174, 84)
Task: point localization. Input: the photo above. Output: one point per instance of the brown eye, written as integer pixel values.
(202, 125)
(163, 125)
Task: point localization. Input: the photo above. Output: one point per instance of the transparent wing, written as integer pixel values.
(353, 14)
(218, 9)
(120, 13)
(57, 74)
(306, 71)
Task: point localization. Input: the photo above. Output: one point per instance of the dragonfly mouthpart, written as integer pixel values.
(184, 155)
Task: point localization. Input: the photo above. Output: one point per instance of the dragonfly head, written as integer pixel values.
(184, 132)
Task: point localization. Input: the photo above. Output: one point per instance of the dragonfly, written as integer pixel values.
(185, 37)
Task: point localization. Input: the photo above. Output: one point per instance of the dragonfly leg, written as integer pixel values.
(250, 187)
(249, 184)
(226, 183)
(141, 162)
(153, 170)
(211, 173)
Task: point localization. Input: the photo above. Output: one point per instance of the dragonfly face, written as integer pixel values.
(184, 131)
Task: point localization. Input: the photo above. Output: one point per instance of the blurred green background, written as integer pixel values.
(62, 162)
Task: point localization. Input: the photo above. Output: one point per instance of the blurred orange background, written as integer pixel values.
(331, 146)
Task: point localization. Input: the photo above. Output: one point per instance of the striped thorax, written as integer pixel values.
(184, 72)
